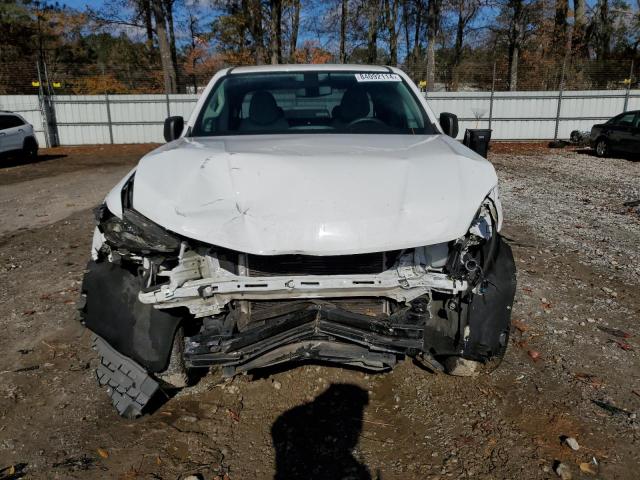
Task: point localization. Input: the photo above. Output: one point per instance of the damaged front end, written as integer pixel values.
(243, 311)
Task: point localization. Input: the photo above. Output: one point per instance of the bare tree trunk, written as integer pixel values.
(516, 29)
(193, 22)
(457, 48)
(168, 5)
(295, 26)
(276, 32)
(514, 53)
(344, 13)
(466, 11)
(168, 70)
(579, 28)
(560, 28)
(373, 11)
(145, 8)
(417, 29)
(252, 10)
(391, 19)
(433, 27)
(405, 21)
(603, 37)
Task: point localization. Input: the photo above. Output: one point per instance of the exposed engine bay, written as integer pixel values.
(244, 311)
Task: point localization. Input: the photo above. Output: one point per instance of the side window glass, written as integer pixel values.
(212, 111)
(626, 120)
(4, 122)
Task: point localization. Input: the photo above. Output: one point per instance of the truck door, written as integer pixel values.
(622, 132)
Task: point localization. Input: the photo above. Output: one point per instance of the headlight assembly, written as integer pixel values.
(135, 233)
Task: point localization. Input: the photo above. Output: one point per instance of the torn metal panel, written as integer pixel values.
(313, 331)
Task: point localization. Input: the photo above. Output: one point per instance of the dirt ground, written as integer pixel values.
(572, 368)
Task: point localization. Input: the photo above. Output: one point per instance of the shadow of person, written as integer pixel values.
(315, 441)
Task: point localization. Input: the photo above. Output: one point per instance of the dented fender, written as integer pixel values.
(111, 309)
(487, 316)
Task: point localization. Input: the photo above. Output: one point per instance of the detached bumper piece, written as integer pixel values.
(314, 332)
(128, 384)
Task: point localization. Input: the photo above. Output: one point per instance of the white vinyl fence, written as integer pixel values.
(96, 119)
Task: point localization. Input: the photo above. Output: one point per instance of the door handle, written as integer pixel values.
(20, 130)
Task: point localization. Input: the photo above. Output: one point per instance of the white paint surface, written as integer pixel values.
(316, 194)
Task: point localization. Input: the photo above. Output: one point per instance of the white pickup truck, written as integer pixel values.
(302, 213)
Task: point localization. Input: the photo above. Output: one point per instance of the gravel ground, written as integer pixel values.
(571, 369)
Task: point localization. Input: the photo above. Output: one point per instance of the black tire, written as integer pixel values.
(602, 147)
(128, 384)
(176, 375)
(30, 149)
(575, 137)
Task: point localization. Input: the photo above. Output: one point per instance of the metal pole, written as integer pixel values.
(43, 112)
(51, 110)
(555, 134)
(106, 99)
(166, 95)
(626, 95)
(493, 89)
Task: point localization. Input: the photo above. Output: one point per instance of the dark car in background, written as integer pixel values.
(621, 134)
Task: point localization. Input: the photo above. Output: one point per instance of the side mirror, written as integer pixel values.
(449, 124)
(173, 128)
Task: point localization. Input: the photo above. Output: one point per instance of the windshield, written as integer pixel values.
(311, 102)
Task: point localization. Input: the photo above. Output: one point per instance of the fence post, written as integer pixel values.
(50, 109)
(106, 99)
(493, 89)
(43, 108)
(626, 95)
(166, 96)
(555, 134)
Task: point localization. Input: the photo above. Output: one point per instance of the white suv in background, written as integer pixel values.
(17, 135)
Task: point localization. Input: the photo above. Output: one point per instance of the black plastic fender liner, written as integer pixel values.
(112, 311)
(488, 316)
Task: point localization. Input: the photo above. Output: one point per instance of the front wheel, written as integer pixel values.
(30, 149)
(602, 148)
(177, 375)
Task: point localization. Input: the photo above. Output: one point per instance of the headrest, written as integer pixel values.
(263, 108)
(354, 104)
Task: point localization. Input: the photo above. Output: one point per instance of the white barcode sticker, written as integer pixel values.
(378, 77)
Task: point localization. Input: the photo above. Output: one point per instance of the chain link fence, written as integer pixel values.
(470, 75)
(90, 104)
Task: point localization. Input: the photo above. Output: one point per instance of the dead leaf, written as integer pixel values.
(103, 453)
(12, 470)
(28, 312)
(590, 379)
(234, 416)
(587, 468)
(158, 461)
(523, 327)
(624, 346)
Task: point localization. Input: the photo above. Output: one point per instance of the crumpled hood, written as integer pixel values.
(315, 194)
